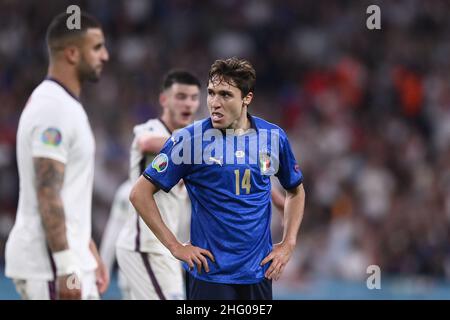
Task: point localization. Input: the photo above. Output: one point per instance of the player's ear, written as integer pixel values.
(248, 98)
(163, 99)
(72, 54)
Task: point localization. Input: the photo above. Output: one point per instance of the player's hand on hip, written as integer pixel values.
(68, 287)
(193, 256)
(279, 256)
(102, 278)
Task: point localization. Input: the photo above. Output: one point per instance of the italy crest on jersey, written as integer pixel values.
(264, 161)
(160, 162)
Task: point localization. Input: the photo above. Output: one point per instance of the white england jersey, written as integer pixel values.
(53, 125)
(175, 206)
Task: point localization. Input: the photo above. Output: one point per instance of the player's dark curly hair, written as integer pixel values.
(237, 72)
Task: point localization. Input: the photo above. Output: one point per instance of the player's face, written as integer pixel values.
(181, 102)
(93, 55)
(225, 104)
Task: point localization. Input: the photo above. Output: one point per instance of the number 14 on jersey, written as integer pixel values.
(245, 183)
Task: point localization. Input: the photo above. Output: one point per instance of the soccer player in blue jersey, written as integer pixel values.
(226, 162)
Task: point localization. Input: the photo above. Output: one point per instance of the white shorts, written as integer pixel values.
(30, 289)
(123, 285)
(151, 276)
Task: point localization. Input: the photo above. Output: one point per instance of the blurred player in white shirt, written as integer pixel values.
(49, 252)
(120, 210)
(151, 271)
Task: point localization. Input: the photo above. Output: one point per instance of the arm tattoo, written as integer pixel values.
(49, 179)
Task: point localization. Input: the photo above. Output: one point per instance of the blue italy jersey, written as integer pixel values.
(228, 181)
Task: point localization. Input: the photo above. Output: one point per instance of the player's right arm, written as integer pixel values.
(142, 198)
(149, 143)
(49, 177)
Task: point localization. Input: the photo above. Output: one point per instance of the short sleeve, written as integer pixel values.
(289, 173)
(50, 136)
(146, 129)
(172, 163)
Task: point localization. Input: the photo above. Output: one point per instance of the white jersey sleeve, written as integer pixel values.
(51, 134)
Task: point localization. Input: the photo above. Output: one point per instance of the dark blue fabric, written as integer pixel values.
(197, 289)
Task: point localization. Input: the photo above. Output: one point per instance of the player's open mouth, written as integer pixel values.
(186, 115)
(215, 116)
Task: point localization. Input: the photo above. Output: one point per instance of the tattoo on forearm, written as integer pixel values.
(49, 179)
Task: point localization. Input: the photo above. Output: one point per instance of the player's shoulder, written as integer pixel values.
(42, 96)
(53, 94)
(46, 104)
(152, 125)
(262, 124)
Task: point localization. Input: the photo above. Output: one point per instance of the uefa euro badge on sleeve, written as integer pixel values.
(160, 162)
(51, 137)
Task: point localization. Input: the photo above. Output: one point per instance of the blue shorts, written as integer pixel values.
(202, 290)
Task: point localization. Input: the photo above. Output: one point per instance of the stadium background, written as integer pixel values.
(367, 113)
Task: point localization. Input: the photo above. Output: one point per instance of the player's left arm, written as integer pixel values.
(101, 273)
(293, 215)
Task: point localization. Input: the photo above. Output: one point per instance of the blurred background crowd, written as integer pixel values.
(367, 112)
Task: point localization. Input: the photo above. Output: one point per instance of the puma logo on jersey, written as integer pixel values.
(218, 161)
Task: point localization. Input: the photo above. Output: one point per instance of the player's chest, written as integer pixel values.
(83, 143)
(241, 167)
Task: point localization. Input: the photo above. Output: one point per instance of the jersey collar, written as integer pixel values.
(165, 126)
(64, 87)
(252, 122)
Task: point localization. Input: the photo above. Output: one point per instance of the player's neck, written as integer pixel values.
(242, 124)
(165, 118)
(66, 78)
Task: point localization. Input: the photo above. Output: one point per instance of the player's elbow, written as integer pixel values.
(134, 196)
(141, 192)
